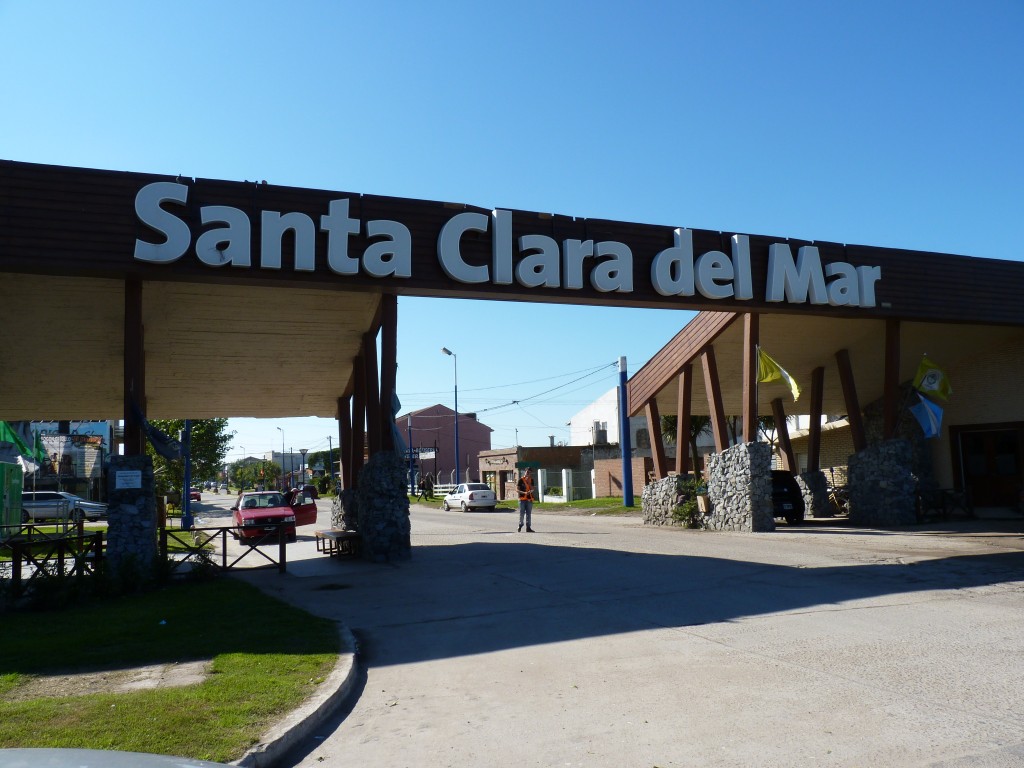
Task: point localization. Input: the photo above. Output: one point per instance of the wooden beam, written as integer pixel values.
(659, 371)
(814, 429)
(134, 369)
(789, 462)
(751, 338)
(345, 441)
(891, 378)
(714, 393)
(358, 418)
(371, 392)
(850, 396)
(657, 447)
(388, 368)
(683, 415)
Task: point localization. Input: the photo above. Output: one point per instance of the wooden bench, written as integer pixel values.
(332, 541)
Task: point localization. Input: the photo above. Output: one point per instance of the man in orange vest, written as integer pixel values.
(525, 488)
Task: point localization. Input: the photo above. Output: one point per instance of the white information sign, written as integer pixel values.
(128, 479)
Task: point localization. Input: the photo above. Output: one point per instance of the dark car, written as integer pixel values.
(786, 497)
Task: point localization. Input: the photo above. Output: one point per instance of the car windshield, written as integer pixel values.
(477, 487)
(261, 501)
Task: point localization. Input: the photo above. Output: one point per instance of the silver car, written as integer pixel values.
(469, 496)
(59, 505)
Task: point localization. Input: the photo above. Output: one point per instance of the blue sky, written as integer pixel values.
(879, 123)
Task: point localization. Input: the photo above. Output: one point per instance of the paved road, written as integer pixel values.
(599, 642)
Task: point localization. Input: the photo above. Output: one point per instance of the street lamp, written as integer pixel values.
(303, 451)
(282, 454)
(455, 360)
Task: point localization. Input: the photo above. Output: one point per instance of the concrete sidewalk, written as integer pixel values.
(600, 642)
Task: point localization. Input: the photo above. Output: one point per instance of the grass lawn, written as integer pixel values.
(266, 657)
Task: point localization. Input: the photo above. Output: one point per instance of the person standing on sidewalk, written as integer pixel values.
(525, 488)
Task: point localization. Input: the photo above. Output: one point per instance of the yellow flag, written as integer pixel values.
(931, 380)
(769, 370)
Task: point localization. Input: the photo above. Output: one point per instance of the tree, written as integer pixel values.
(210, 440)
(699, 425)
(249, 473)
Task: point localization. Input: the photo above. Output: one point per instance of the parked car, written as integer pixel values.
(195, 494)
(469, 496)
(55, 505)
(786, 497)
(311, 491)
(259, 513)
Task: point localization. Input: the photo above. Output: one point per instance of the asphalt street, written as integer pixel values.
(601, 642)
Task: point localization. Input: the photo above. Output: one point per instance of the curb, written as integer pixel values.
(311, 714)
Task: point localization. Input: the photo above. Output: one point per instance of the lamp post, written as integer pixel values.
(303, 465)
(455, 360)
(282, 456)
(330, 460)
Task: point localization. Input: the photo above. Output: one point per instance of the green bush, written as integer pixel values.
(686, 512)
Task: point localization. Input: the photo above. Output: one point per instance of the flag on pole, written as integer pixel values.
(165, 445)
(769, 370)
(13, 449)
(928, 415)
(931, 380)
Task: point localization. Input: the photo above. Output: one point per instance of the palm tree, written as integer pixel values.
(699, 425)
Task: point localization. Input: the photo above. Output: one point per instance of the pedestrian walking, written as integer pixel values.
(422, 489)
(525, 488)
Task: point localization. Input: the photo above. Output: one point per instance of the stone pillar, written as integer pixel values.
(740, 487)
(382, 506)
(814, 489)
(343, 511)
(883, 490)
(131, 518)
(659, 500)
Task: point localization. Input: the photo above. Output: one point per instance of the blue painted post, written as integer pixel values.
(624, 441)
(186, 502)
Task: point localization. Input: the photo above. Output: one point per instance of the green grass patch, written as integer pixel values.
(266, 656)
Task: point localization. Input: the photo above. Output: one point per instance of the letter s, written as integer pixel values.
(147, 208)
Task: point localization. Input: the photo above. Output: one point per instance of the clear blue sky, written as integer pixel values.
(880, 123)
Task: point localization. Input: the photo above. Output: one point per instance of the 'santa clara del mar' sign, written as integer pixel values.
(531, 261)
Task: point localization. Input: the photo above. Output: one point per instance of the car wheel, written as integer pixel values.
(24, 515)
(292, 538)
(445, 507)
(76, 516)
(465, 507)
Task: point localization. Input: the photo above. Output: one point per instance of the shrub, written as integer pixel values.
(686, 512)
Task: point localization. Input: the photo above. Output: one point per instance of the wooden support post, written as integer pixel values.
(891, 394)
(134, 369)
(683, 415)
(388, 368)
(657, 447)
(358, 417)
(850, 396)
(714, 393)
(782, 428)
(814, 432)
(751, 338)
(371, 391)
(345, 442)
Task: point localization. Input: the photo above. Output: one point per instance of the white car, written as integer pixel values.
(469, 496)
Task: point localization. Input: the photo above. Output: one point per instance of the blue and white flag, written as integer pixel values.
(165, 445)
(928, 415)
